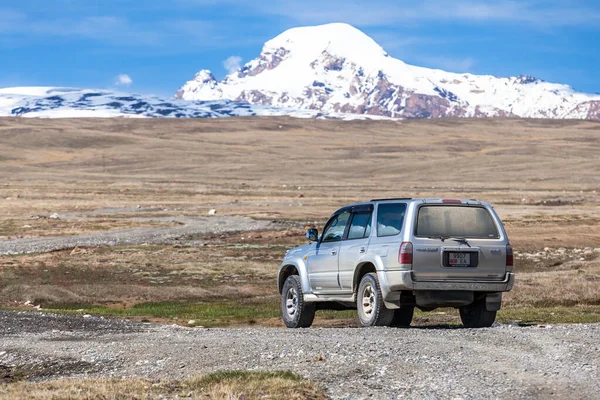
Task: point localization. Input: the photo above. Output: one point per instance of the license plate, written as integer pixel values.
(459, 259)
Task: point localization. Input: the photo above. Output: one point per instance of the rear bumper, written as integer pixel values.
(393, 282)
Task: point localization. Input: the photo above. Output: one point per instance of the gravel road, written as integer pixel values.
(188, 231)
(507, 362)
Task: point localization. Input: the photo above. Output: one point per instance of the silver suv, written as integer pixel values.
(388, 256)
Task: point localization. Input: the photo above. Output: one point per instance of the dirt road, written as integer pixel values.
(187, 230)
(501, 362)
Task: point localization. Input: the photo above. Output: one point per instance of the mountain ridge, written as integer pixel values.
(59, 102)
(337, 68)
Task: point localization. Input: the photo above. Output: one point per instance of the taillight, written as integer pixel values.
(405, 254)
(510, 261)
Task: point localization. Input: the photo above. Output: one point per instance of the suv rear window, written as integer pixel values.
(456, 221)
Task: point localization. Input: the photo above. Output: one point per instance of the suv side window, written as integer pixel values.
(390, 218)
(336, 227)
(360, 226)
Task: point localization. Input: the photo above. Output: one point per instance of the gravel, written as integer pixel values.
(505, 361)
(188, 232)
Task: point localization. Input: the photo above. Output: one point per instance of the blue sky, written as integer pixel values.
(161, 44)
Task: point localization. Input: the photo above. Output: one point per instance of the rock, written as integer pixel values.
(54, 216)
(300, 196)
(212, 212)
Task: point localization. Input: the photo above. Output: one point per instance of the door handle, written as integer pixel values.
(333, 252)
(362, 250)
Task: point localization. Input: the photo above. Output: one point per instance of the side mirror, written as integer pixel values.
(312, 235)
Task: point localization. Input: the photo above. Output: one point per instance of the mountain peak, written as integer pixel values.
(204, 85)
(336, 68)
(336, 38)
(204, 76)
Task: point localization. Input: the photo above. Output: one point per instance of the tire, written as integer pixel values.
(295, 311)
(371, 308)
(403, 317)
(475, 315)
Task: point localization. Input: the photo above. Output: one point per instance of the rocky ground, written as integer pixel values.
(501, 362)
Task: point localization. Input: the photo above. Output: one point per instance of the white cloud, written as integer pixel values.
(123, 80)
(232, 64)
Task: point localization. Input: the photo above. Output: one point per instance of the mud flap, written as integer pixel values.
(493, 301)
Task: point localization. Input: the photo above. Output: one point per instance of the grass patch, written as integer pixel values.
(230, 313)
(204, 314)
(551, 315)
(218, 385)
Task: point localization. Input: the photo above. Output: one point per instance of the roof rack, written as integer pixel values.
(398, 198)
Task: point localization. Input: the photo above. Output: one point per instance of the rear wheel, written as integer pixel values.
(295, 311)
(475, 315)
(403, 317)
(371, 308)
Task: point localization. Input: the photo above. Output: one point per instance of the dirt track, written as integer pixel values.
(543, 362)
(188, 230)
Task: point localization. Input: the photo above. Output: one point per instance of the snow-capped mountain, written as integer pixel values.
(52, 102)
(337, 68)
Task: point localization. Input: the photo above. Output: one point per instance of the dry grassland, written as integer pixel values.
(221, 385)
(543, 177)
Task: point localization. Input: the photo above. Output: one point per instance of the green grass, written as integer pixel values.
(230, 313)
(205, 314)
(551, 315)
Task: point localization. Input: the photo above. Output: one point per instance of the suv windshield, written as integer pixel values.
(456, 221)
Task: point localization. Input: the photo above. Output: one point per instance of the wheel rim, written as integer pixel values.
(291, 302)
(368, 301)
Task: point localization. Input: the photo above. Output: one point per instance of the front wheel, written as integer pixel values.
(371, 308)
(295, 311)
(475, 315)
